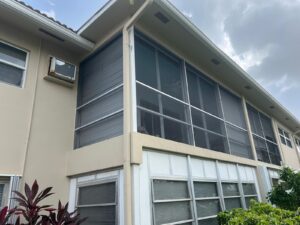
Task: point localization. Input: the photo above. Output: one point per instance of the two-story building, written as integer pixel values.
(137, 118)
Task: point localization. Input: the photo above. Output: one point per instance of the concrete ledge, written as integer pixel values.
(143, 141)
(103, 155)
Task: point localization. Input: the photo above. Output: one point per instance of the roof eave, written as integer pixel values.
(49, 24)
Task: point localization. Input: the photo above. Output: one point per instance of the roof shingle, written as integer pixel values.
(46, 16)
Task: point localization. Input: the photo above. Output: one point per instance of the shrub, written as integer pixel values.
(286, 194)
(259, 214)
(30, 212)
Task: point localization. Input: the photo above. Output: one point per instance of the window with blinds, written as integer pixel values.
(264, 138)
(171, 202)
(100, 96)
(12, 64)
(98, 203)
(175, 202)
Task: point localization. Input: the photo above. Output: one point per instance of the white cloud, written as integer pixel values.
(246, 59)
(283, 84)
(51, 13)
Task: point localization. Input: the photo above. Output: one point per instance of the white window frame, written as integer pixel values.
(96, 179)
(5, 194)
(154, 202)
(193, 199)
(218, 197)
(286, 136)
(15, 65)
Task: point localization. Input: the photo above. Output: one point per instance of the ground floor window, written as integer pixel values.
(4, 191)
(190, 191)
(97, 197)
(98, 202)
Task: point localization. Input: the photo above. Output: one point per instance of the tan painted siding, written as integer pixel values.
(16, 104)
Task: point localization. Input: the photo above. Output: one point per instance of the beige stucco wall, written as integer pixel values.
(16, 104)
(52, 128)
(290, 155)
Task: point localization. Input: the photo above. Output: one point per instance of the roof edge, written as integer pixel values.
(165, 4)
(94, 17)
(50, 24)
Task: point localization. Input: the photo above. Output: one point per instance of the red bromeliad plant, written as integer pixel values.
(30, 212)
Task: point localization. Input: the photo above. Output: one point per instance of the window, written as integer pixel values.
(12, 65)
(171, 202)
(4, 186)
(180, 103)
(99, 113)
(98, 203)
(207, 202)
(250, 193)
(232, 196)
(264, 138)
(285, 137)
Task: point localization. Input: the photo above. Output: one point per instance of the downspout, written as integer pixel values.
(128, 113)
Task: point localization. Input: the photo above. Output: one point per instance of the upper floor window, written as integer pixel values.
(264, 138)
(177, 102)
(285, 137)
(99, 113)
(12, 65)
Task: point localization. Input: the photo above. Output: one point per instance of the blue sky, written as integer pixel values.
(261, 36)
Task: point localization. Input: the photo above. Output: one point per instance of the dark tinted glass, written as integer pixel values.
(198, 118)
(97, 194)
(208, 207)
(200, 138)
(105, 215)
(232, 203)
(176, 131)
(267, 128)
(145, 63)
(194, 89)
(11, 75)
(255, 121)
(170, 73)
(171, 212)
(147, 98)
(261, 149)
(205, 189)
(230, 189)
(217, 143)
(174, 108)
(214, 124)
(233, 109)
(12, 55)
(210, 97)
(168, 189)
(149, 123)
(249, 189)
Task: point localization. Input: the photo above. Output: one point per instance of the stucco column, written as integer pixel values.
(248, 124)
